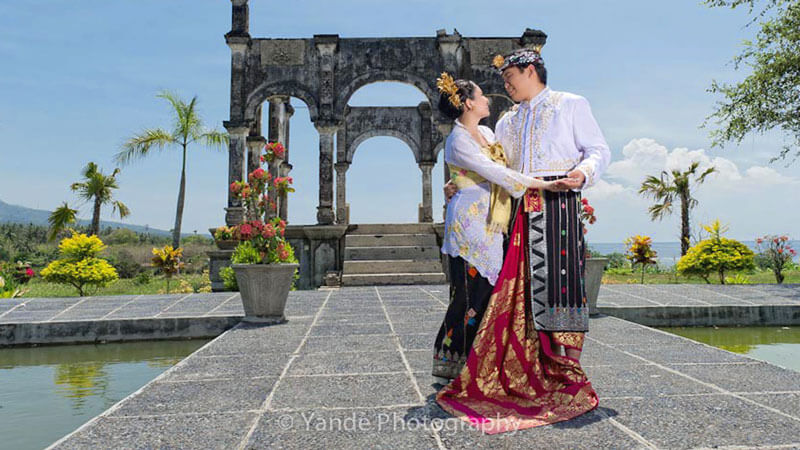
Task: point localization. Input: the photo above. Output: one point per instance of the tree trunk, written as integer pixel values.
(176, 232)
(721, 277)
(684, 223)
(96, 218)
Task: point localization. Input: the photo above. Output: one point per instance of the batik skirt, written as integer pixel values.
(556, 256)
(468, 290)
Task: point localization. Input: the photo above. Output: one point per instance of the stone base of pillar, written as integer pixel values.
(218, 259)
(424, 214)
(325, 215)
(319, 249)
(234, 215)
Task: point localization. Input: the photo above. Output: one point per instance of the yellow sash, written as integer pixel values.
(500, 200)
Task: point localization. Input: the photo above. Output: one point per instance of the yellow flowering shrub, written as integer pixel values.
(716, 255)
(80, 246)
(79, 266)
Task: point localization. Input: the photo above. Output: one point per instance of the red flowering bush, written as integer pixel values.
(587, 214)
(262, 242)
(776, 254)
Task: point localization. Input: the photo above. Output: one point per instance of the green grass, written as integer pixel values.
(40, 288)
(634, 277)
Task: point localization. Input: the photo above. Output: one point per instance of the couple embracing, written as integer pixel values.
(510, 344)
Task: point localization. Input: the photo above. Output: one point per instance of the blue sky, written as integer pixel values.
(78, 77)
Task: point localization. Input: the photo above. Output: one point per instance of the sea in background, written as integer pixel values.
(667, 253)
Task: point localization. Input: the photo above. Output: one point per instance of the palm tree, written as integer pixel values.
(187, 129)
(97, 188)
(669, 186)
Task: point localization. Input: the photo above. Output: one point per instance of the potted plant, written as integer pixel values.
(594, 266)
(223, 238)
(24, 272)
(263, 261)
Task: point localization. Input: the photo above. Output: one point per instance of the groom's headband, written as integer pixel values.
(520, 57)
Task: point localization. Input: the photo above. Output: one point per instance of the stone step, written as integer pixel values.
(391, 228)
(414, 252)
(384, 279)
(391, 266)
(390, 240)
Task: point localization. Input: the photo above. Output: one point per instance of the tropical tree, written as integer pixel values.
(187, 129)
(767, 98)
(97, 188)
(668, 187)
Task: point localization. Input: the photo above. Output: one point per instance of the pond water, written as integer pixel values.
(47, 392)
(776, 345)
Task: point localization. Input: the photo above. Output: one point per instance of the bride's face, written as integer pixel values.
(479, 103)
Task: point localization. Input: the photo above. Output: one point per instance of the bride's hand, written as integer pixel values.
(546, 185)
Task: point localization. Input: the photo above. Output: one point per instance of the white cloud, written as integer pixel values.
(744, 198)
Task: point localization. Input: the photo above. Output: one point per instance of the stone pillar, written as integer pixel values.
(238, 39)
(342, 213)
(426, 209)
(280, 111)
(255, 146)
(237, 149)
(283, 206)
(325, 214)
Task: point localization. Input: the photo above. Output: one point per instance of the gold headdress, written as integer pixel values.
(447, 85)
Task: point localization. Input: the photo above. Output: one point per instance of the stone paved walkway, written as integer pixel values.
(351, 370)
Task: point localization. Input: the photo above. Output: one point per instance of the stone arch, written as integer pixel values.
(356, 141)
(291, 89)
(427, 87)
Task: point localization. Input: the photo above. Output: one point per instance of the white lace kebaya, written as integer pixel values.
(553, 134)
(466, 234)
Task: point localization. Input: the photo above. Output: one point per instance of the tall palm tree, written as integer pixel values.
(187, 129)
(669, 186)
(96, 187)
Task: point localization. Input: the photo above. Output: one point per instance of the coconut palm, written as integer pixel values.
(97, 188)
(187, 129)
(669, 186)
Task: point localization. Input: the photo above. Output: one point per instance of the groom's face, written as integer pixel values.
(518, 82)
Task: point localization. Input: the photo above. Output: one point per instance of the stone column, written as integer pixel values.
(342, 214)
(325, 214)
(255, 145)
(283, 206)
(280, 111)
(236, 170)
(426, 209)
(238, 39)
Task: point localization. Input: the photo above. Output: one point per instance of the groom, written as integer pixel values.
(551, 135)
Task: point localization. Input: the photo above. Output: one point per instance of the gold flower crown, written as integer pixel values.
(447, 85)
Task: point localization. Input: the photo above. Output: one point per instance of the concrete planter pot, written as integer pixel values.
(226, 244)
(264, 289)
(594, 277)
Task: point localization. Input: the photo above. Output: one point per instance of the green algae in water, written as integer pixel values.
(47, 392)
(776, 345)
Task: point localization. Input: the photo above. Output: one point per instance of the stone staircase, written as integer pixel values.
(385, 254)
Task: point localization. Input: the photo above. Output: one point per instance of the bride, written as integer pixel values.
(477, 218)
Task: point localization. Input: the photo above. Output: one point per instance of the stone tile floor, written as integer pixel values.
(350, 369)
(21, 310)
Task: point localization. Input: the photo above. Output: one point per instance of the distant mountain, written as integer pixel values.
(20, 214)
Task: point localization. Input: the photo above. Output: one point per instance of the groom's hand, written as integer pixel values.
(574, 180)
(450, 190)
